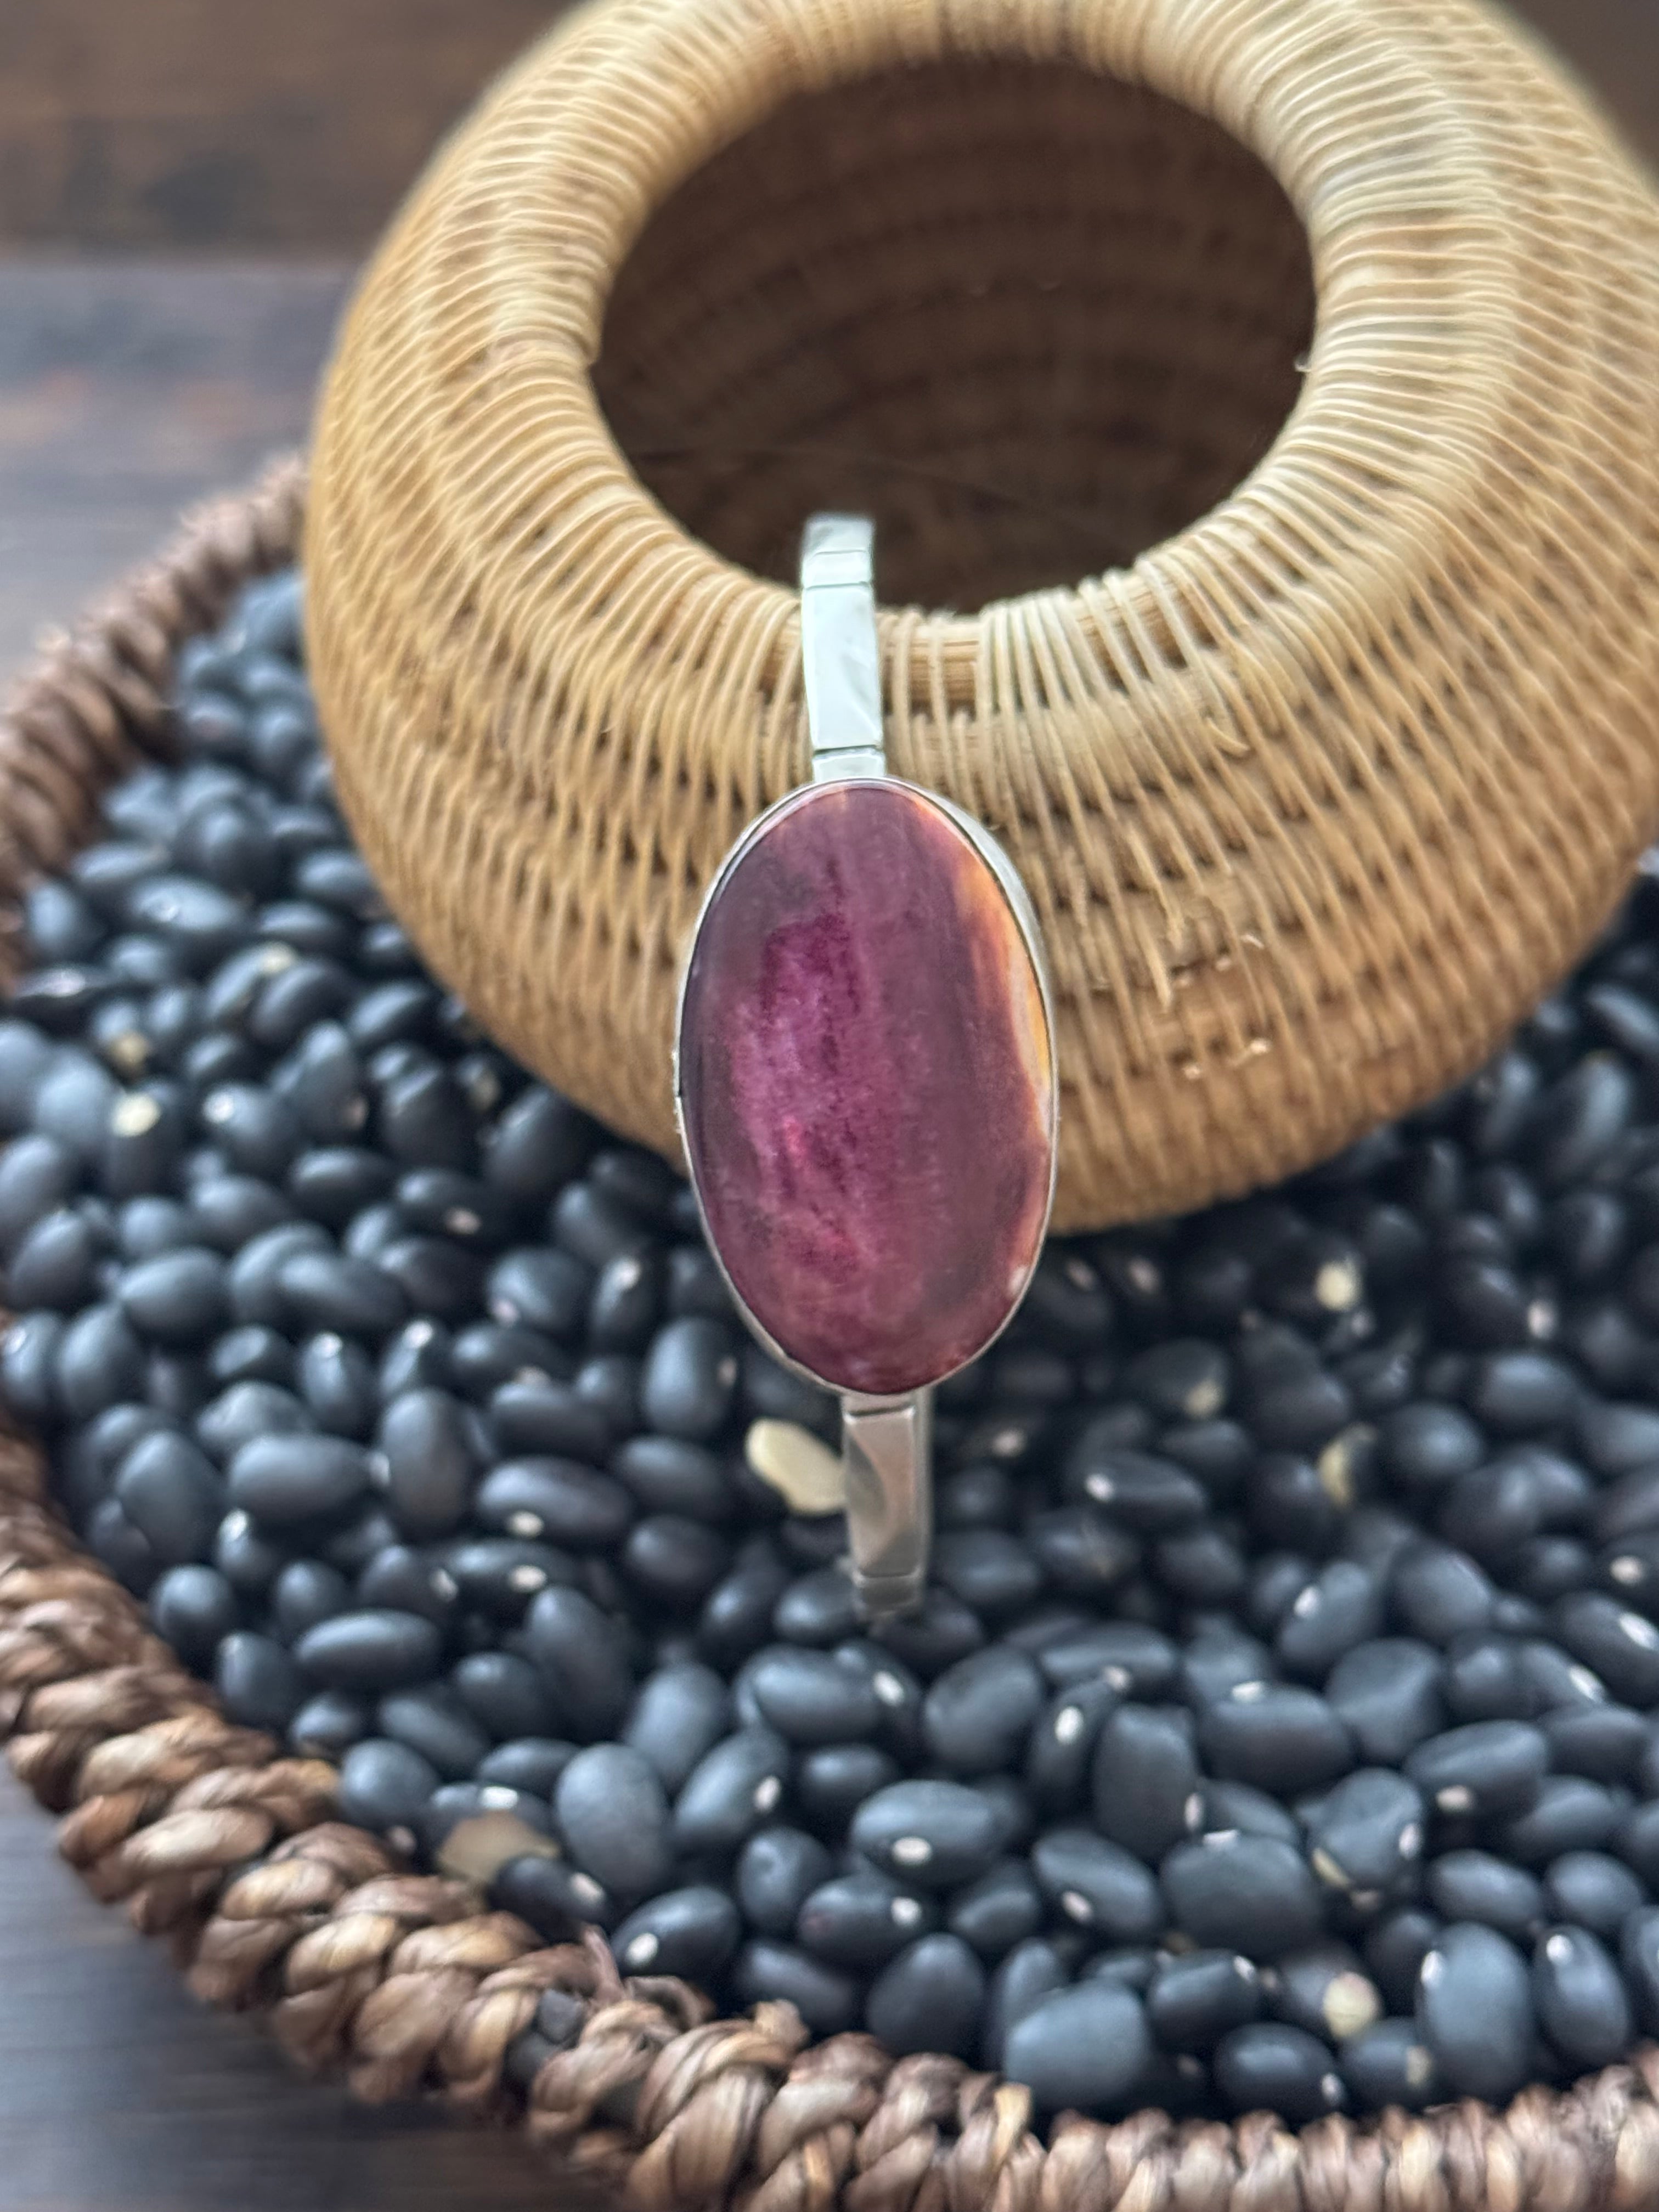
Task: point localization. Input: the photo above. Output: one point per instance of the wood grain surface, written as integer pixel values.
(234, 123)
(128, 389)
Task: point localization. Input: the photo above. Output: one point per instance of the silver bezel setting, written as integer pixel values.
(1025, 914)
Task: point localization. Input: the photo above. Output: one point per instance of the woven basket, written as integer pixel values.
(1345, 748)
(405, 1984)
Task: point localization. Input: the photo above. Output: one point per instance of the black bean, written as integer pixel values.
(929, 1999)
(976, 1716)
(436, 1723)
(861, 1920)
(37, 1174)
(1569, 1814)
(812, 1697)
(258, 1681)
(505, 1694)
(989, 1570)
(1621, 1646)
(1135, 1661)
(386, 1787)
(1592, 1890)
(1144, 1777)
(1084, 2047)
(1062, 1745)
(1001, 1909)
(1032, 1971)
(690, 1375)
(1080, 1550)
(682, 1711)
(1152, 1497)
(372, 1650)
(329, 1290)
(1487, 1679)
(1224, 1805)
(532, 1764)
(285, 1481)
(1193, 2000)
(308, 1591)
(1098, 1885)
(248, 1559)
(28, 1365)
(1488, 1767)
(1581, 2002)
(1396, 1944)
(1204, 1568)
(1275, 1737)
(1604, 1741)
(123, 1549)
(1339, 1609)
(556, 1900)
(1366, 1837)
(673, 1561)
(827, 2001)
(1521, 1393)
(934, 1834)
(1638, 1955)
(1474, 2012)
(98, 1362)
(250, 1354)
(539, 1289)
(691, 1932)
(593, 1225)
(1271, 2066)
(613, 1815)
(329, 1724)
(193, 1607)
(931, 1638)
(540, 1142)
(777, 1869)
(55, 1264)
(1389, 2063)
(338, 1381)
(821, 1608)
(583, 1657)
(549, 1416)
(229, 1212)
(1324, 1990)
(737, 1614)
(1428, 1446)
(731, 1791)
(418, 1357)
(1239, 1893)
(170, 1491)
(557, 1499)
(666, 1474)
(491, 1353)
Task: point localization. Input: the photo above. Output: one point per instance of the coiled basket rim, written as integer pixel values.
(405, 1984)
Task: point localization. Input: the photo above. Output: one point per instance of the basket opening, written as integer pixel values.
(1034, 321)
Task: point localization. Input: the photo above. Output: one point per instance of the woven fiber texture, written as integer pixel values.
(1340, 752)
(407, 1985)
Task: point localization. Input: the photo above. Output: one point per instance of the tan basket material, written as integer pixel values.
(405, 1984)
(1338, 755)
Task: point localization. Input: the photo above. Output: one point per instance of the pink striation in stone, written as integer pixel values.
(867, 1081)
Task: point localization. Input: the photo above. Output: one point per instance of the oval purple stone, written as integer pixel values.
(866, 1086)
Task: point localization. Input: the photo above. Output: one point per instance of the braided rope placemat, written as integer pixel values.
(402, 1982)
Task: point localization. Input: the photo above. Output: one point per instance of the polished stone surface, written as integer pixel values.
(867, 1083)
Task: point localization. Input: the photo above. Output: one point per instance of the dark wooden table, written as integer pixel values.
(127, 390)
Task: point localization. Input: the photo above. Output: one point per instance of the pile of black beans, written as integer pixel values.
(1282, 1727)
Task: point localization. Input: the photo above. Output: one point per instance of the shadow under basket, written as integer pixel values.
(1320, 341)
(405, 1984)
